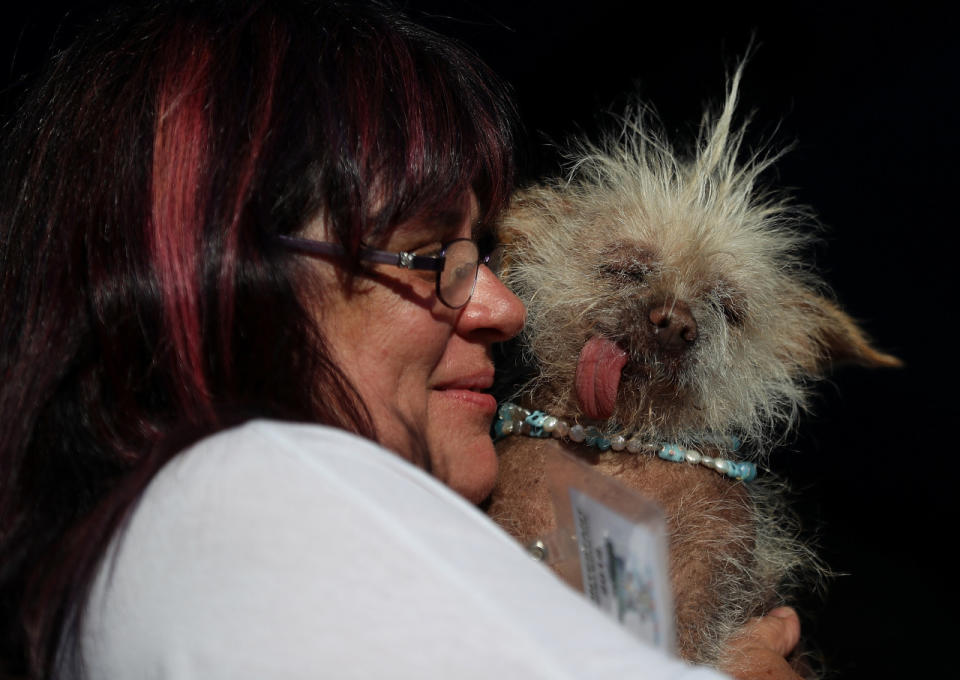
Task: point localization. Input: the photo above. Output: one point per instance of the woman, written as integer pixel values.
(202, 216)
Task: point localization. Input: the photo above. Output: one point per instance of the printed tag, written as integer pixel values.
(624, 569)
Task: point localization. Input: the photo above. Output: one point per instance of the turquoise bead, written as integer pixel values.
(671, 452)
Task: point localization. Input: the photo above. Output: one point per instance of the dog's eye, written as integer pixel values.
(624, 273)
(730, 305)
(735, 315)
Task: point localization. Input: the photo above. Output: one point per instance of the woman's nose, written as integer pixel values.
(492, 308)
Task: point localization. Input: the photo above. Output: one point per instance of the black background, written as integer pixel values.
(869, 98)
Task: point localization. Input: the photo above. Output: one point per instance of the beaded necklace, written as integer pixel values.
(513, 419)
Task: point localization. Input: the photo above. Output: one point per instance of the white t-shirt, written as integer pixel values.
(300, 551)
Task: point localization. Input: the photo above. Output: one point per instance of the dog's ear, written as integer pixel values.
(531, 211)
(841, 340)
(511, 234)
(532, 216)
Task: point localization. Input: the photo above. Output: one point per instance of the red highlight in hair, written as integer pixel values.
(179, 187)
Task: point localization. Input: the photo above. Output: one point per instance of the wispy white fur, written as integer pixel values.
(710, 236)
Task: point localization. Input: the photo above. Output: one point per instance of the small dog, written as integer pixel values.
(668, 303)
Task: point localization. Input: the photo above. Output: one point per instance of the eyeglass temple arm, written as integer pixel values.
(401, 259)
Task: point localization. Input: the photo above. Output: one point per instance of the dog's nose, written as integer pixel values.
(673, 325)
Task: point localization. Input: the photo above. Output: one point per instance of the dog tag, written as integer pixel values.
(621, 548)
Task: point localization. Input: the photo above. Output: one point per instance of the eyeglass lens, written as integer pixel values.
(459, 274)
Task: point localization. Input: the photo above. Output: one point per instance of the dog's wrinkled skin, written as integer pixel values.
(666, 297)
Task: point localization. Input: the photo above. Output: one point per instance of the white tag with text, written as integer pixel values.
(624, 569)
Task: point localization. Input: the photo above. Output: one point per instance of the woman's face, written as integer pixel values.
(424, 369)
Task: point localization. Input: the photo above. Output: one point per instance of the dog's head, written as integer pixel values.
(667, 295)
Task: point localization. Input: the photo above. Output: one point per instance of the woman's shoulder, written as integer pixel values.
(248, 483)
(274, 447)
(283, 550)
(276, 465)
(279, 548)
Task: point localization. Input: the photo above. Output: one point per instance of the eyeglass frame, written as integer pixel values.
(402, 259)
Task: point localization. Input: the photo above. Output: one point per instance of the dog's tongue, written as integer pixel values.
(598, 377)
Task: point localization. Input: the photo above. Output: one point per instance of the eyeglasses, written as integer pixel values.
(456, 265)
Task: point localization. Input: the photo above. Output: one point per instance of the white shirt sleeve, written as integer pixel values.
(296, 551)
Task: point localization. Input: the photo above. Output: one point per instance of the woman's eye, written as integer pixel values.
(434, 249)
(430, 250)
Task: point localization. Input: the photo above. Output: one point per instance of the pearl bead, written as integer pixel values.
(577, 433)
(562, 429)
(549, 424)
(618, 443)
(693, 456)
(721, 466)
(634, 446)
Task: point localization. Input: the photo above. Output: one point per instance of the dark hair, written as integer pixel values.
(143, 303)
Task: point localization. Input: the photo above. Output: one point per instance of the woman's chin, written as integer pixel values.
(461, 451)
(470, 469)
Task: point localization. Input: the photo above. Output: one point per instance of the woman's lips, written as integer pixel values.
(471, 391)
(480, 400)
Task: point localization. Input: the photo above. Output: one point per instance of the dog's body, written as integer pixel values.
(667, 302)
